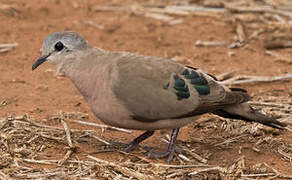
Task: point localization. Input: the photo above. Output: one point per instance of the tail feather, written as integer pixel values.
(246, 113)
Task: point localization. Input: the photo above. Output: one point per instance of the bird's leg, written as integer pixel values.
(133, 144)
(170, 149)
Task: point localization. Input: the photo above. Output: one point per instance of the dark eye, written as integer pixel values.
(59, 46)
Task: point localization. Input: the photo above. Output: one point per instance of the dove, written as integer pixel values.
(133, 91)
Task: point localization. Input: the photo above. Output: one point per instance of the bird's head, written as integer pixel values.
(58, 45)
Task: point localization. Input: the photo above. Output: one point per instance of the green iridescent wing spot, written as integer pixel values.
(182, 95)
(198, 81)
(202, 89)
(181, 89)
(185, 72)
(179, 83)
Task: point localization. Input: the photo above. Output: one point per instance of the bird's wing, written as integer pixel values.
(153, 89)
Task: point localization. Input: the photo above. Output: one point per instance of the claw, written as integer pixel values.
(135, 143)
(170, 149)
(157, 155)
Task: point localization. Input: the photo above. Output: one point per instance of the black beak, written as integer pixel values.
(39, 61)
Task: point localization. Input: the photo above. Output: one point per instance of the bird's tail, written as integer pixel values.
(245, 112)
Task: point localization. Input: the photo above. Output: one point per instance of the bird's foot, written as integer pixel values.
(170, 149)
(168, 153)
(131, 146)
(127, 147)
(118, 144)
(135, 143)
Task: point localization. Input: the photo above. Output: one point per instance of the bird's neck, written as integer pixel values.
(87, 72)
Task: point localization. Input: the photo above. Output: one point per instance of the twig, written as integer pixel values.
(7, 47)
(257, 9)
(3, 103)
(217, 168)
(53, 161)
(255, 149)
(117, 177)
(193, 8)
(230, 140)
(39, 175)
(266, 139)
(4, 176)
(226, 75)
(257, 103)
(258, 175)
(158, 16)
(71, 147)
(240, 31)
(210, 43)
(67, 131)
(277, 173)
(183, 157)
(112, 8)
(280, 57)
(256, 33)
(175, 21)
(196, 156)
(102, 126)
(241, 165)
(179, 166)
(91, 23)
(3, 122)
(174, 10)
(50, 137)
(24, 119)
(126, 171)
(48, 162)
(253, 79)
(185, 10)
(66, 157)
(167, 10)
(287, 156)
(179, 173)
(99, 139)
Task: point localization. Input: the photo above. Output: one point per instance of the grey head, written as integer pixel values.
(58, 45)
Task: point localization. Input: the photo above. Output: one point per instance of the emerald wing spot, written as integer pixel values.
(181, 89)
(198, 81)
(202, 89)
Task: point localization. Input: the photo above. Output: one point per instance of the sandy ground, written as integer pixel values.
(41, 95)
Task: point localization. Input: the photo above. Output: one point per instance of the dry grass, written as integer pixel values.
(24, 142)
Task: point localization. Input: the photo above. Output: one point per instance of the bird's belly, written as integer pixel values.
(129, 123)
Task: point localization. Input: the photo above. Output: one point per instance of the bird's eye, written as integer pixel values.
(59, 46)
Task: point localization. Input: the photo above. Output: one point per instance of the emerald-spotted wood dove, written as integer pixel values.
(142, 92)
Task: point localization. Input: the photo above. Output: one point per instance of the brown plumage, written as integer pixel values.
(142, 92)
